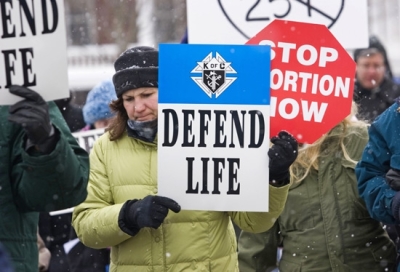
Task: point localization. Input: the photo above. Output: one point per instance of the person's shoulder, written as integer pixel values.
(105, 142)
(356, 137)
(390, 116)
(359, 128)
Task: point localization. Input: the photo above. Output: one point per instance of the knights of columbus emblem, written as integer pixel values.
(214, 79)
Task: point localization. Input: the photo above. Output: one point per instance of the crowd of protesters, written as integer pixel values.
(334, 204)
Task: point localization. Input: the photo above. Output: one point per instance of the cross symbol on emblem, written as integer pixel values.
(214, 71)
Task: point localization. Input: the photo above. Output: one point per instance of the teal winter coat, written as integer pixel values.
(380, 155)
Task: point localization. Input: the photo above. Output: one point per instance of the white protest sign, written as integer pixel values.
(33, 48)
(236, 21)
(87, 138)
(213, 120)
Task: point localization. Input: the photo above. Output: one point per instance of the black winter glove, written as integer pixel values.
(393, 179)
(281, 155)
(147, 212)
(32, 114)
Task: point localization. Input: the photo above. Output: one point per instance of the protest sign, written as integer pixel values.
(312, 78)
(33, 48)
(213, 120)
(87, 138)
(236, 21)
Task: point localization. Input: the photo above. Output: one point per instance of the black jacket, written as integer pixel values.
(373, 102)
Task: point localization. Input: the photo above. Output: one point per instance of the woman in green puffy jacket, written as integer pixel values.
(124, 212)
(325, 225)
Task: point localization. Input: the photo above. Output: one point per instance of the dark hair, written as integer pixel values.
(368, 52)
(117, 126)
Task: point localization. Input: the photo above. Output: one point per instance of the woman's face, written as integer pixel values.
(141, 104)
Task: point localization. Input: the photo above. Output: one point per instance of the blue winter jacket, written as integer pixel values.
(381, 154)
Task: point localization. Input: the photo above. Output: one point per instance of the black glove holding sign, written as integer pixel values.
(32, 113)
(281, 155)
(147, 212)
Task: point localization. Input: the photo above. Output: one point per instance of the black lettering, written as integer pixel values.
(46, 29)
(175, 129)
(233, 176)
(203, 126)
(219, 128)
(239, 128)
(190, 189)
(205, 67)
(29, 17)
(205, 176)
(6, 20)
(253, 115)
(27, 66)
(217, 174)
(187, 128)
(9, 67)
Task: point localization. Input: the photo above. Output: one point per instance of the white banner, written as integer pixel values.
(86, 139)
(236, 21)
(33, 49)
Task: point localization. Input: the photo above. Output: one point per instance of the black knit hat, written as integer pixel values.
(136, 67)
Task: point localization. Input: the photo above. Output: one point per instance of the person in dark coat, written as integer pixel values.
(42, 169)
(55, 230)
(72, 113)
(375, 89)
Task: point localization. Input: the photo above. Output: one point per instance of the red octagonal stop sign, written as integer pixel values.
(312, 78)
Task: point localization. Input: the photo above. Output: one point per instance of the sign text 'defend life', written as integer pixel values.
(213, 126)
(246, 130)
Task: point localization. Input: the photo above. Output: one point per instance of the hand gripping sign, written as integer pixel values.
(312, 78)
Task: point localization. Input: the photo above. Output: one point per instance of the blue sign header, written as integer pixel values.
(214, 74)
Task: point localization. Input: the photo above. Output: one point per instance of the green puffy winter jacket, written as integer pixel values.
(187, 241)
